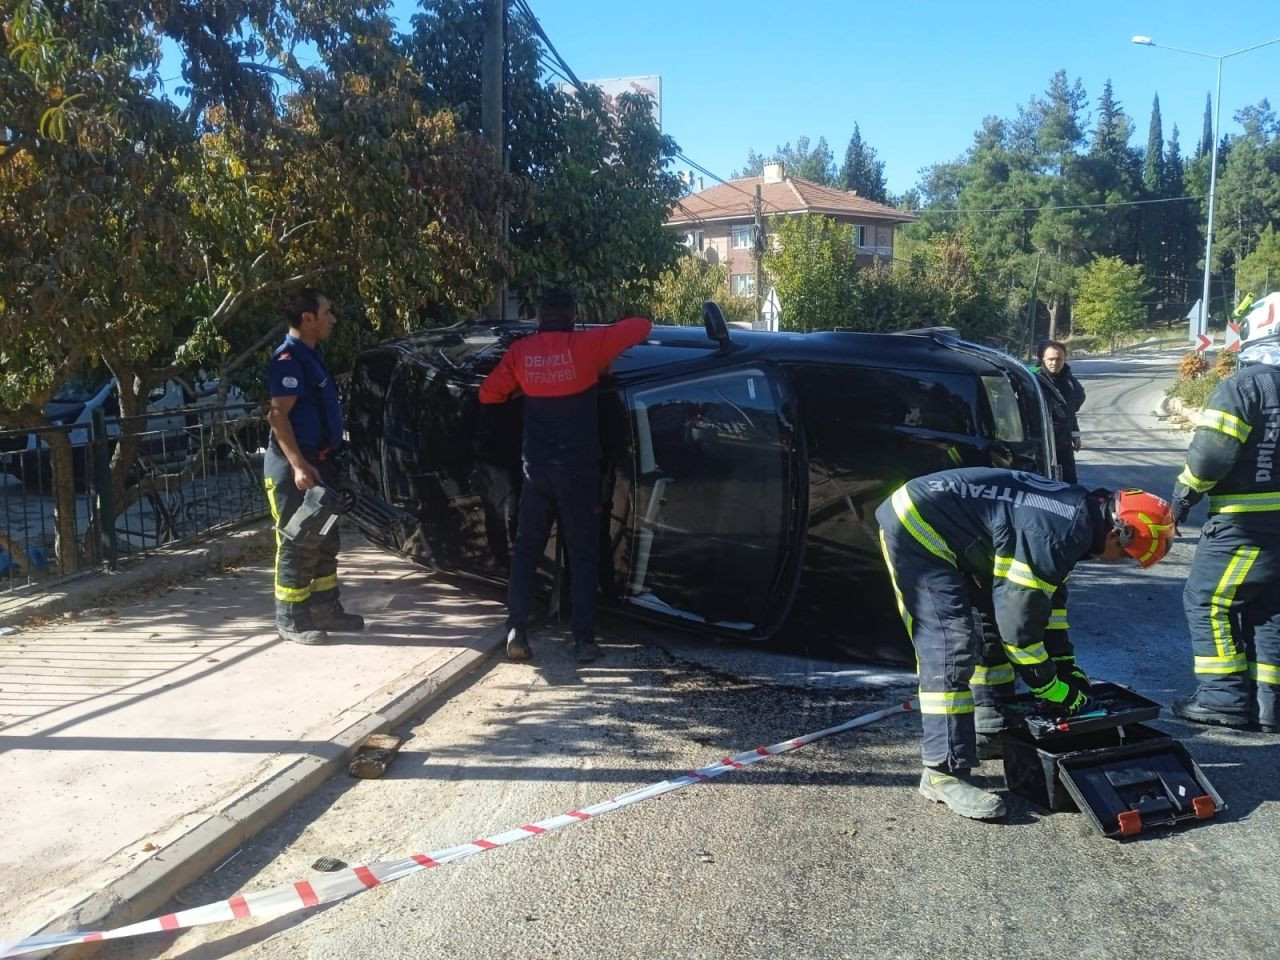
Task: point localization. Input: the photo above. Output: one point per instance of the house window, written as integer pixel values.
(693, 240)
(862, 234)
(743, 237)
(742, 284)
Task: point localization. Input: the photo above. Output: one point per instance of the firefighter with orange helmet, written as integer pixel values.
(1005, 540)
(1232, 597)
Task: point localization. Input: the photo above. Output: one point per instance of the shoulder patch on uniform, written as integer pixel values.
(283, 356)
(289, 382)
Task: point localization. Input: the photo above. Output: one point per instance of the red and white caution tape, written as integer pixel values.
(326, 888)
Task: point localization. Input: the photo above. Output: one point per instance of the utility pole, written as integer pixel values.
(759, 248)
(491, 118)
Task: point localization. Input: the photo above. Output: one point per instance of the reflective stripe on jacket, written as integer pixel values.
(1016, 533)
(1233, 452)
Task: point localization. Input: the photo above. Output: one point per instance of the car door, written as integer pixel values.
(716, 502)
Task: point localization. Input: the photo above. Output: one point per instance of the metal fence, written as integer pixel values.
(197, 469)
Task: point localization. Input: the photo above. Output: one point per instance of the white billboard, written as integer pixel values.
(650, 86)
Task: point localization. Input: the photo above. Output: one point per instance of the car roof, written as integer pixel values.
(476, 348)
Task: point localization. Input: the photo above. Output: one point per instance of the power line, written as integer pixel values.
(551, 69)
(532, 22)
(1054, 206)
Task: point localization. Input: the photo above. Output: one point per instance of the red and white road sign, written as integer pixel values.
(1233, 337)
(1203, 342)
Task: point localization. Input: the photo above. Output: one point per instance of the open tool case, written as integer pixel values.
(1123, 776)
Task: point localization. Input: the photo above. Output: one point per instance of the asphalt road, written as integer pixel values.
(824, 853)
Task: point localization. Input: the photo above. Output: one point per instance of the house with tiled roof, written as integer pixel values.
(719, 223)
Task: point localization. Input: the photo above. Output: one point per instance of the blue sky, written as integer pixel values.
(917, 77)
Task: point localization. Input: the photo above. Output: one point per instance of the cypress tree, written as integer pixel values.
(1206, 138)
(1153, 166)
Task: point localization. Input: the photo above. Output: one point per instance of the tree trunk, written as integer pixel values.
(66, 546)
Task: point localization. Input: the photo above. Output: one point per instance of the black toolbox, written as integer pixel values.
(1123, 775)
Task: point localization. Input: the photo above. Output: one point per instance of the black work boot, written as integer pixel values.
(1191, 709)
(518, 644)
(327, 613)
(587, 650)
(294, 623)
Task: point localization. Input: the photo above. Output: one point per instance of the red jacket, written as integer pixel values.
(557, 370)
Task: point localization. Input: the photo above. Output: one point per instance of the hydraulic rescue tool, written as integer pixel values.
(322, 506)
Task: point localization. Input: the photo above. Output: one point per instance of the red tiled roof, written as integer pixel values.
(736, 200)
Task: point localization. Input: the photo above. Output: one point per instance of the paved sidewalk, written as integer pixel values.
(142, 743)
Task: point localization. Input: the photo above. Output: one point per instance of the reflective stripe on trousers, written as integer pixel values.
(935, 600)
(1232, 602)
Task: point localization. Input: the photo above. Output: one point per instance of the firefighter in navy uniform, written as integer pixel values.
(1232, 597)
(1016, 537)
(305, 447)
(557, 370)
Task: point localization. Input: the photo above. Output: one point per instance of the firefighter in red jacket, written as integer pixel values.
(557, 370)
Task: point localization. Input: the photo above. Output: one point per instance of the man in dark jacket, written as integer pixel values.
(1054, 369)
(1005, 540)
(1232, 597)
(557, 370)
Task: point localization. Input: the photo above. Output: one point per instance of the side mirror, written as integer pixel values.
(716, 326)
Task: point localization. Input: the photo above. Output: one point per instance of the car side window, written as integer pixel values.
(713, 488)
(1005, 412)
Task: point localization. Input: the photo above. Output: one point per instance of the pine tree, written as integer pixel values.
(862, 171)
(1112, 175)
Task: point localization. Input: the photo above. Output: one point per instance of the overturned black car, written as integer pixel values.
(743, 469)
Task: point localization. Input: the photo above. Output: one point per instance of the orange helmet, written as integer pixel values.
(1145, 524)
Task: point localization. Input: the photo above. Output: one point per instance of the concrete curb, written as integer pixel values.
(154, 570)
(151, 884)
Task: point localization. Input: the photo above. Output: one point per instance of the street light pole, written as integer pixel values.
(1202, 324)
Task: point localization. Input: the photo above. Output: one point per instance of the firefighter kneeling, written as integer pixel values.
(950, 535)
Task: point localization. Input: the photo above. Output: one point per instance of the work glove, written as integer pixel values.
(1069, 671)
(1180, 510)
(1063, 697)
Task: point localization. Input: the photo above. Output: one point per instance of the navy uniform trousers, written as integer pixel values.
(300, 571)
(936, 602)
(571, 492)
(1232, 602)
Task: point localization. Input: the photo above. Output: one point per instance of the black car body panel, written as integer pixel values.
(742, 478)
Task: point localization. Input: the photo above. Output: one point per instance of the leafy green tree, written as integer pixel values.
(1110, 299)
(1248, 191)
(862, 171)
(679, 293)
(812, 265)
(146, 237)
(596, 178)
(940, 281)
(1259, 272)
